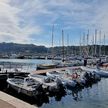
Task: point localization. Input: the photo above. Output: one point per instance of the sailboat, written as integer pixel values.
(51, 65)
(45, 66)
(66, 60)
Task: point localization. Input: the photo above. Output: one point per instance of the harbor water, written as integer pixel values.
(27, 64)
(93, 96)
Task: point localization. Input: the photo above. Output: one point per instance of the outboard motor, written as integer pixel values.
(59, 83)
(39, 89)
(96, 76)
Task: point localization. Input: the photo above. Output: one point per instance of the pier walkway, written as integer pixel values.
(7, 101)
(58, 69)
(55, 69)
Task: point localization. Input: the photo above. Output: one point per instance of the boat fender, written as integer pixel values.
(47, 88)
(59, 82)
(19, 90)
(8, 86)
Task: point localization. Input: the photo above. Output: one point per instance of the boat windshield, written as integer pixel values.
(29, 81)
(48, 80)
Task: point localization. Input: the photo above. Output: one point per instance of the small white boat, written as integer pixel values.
(46, 66)
(47, 82)
(100, 72)
(69, 72)
(75, 77)
(26, 86)
(65, 77)
(54, 74)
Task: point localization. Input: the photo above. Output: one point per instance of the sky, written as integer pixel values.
(31, 21)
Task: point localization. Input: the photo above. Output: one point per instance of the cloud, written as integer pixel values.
(26, 20)
(10, 26)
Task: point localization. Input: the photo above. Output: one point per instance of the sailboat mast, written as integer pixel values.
(52, 43)
(93, 46)
(88, 43)
(100, 44)
(95, 41)
(104, 45)
(84, 44)
(67, 45)
(63, 44)
(88, 37)
(80, 45)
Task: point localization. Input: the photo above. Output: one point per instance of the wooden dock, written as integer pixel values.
(49, 70)
(58, 69)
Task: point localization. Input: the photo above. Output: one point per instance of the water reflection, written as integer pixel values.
(75, 94)
(92, 97)
(39, 100)
(59, 95)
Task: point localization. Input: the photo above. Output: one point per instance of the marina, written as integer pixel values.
(53, 53)
(48, 99)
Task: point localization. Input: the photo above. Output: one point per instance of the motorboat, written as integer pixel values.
(25, 86)
(48, 83)
(99, 72)
(46, 66)
(75, 77)
(66, 77)
(68, 71)
(54, 74)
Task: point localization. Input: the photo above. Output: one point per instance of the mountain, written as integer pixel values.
(16, 48)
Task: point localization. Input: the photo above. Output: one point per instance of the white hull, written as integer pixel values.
(102, 73)
(67, 82)
(45, 81)
(46, 66)
(20, 88)
(23, 91)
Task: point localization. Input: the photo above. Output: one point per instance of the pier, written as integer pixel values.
(104, 67)
(7, 101)
(55, 69)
